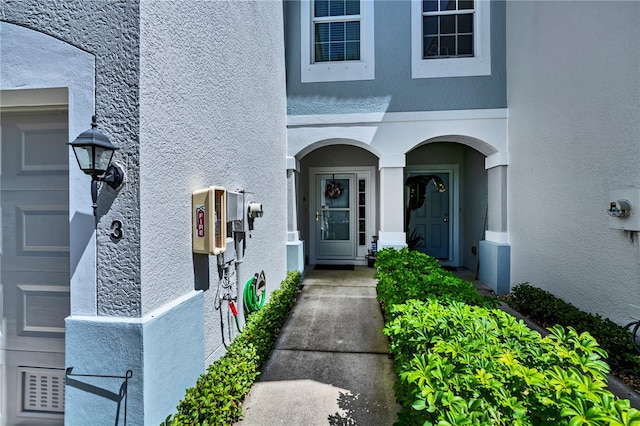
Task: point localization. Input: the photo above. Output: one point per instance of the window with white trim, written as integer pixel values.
(450, 38)
(336, 40)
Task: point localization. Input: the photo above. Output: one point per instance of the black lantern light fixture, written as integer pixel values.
(94, 151)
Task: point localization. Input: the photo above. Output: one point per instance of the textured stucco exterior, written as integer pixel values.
(168, 361)
(107, 29)
(29, 77)
(574, 134)
(393, 89)
(189, 106)
(208, 117)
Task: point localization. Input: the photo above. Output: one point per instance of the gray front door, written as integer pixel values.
(335, 229)
(432, 221)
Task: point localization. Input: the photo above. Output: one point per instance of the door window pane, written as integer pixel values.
(336, 193)
(335, 226)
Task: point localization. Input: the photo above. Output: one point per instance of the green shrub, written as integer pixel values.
(546, 309)
(460, 364)
(404, 275)
(217, 396)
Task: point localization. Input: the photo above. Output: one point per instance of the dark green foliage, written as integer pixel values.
(217, 396)
(546, 309)
(459, 361)
(460, 364)
(404, 274)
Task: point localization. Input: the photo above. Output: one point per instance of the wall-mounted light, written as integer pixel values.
(94, 151)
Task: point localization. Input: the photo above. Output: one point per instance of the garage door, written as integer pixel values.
(34, 273)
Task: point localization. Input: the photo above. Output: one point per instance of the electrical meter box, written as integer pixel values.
(209, 220)
(624, 209)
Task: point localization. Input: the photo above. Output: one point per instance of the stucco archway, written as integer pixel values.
(41, 78)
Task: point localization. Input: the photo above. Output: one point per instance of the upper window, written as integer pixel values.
(450, 38)
(337, 40)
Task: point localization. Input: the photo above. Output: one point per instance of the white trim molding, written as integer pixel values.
(389, 135)
(479, 64)
(497, 159)
(391, 117)
(497, 237)
(396, 240)
(312, 72)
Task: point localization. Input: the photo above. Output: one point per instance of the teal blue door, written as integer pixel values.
(431, 223)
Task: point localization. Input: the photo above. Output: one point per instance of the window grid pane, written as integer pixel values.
(337, 41)
(446, 34)
(336, 38)
(325, 8)
(320, 8)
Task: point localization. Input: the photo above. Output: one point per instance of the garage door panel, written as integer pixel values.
(35, 306)
(42, 230)
(35, 236)
(34, 285)
(37, 149)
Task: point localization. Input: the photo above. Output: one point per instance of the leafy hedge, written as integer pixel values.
(461, 364)
(546, 309)
(217, 396)
(404, 274)
(459, 361)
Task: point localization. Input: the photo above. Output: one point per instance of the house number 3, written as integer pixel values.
(116, 230)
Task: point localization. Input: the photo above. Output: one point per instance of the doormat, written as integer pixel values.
(334, 267)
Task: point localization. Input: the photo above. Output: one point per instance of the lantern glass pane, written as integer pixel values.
(83, 155)
(102, 159)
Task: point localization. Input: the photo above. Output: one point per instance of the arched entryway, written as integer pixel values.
(397, 141)
(337, 201)
(447, 225)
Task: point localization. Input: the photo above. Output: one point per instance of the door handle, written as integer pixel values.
(446, 217)
(317, 217)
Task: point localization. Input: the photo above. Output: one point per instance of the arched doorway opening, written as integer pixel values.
(337, 203)
(448, 225)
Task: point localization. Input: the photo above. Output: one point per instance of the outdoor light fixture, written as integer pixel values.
(94, 151)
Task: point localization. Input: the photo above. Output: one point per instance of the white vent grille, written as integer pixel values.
(43, 390)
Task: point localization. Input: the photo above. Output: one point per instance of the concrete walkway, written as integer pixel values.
(330, 365)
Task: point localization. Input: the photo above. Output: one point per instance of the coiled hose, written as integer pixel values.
(255, 294)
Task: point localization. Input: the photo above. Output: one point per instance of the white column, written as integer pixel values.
(292, 206)
(495, 250)
(497, 204)
(392, 202)
(295, 247)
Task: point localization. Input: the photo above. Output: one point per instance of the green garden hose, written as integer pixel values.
(255, 294)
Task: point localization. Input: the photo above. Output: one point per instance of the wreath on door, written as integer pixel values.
(333, 189)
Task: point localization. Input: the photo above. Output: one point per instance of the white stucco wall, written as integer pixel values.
(212, 112)
(574, 134)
